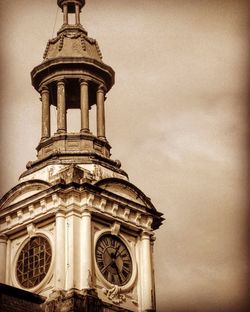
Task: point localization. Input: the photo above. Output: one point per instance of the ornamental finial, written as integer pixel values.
(70, 4)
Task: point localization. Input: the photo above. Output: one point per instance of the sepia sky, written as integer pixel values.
(176, 119)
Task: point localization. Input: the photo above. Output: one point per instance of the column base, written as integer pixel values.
(61, 131)
(73, 301)
(102, 138)
(44, 138)
(85, 131)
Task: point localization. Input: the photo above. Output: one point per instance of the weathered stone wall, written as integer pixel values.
(16, 300)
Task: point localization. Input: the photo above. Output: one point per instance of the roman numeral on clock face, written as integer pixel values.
(99, 255)
(126, 269)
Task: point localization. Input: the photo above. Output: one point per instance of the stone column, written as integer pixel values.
(3, 254)
(65, 14)
(86, 251)
(77, 8)
(61, 107)
(100, 96)
(45, 113)
(146, 273)
(84, 106)
(60, 266)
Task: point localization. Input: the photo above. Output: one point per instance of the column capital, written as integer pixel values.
(60, 213)
(101, 88)
(3, 238)
(83, 81)
(86, 210)
(146, 235)
(61, 81)
(43, 89)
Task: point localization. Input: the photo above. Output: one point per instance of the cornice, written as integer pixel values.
(74, 198)
(105, 71)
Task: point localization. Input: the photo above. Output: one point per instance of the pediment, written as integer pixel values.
(22, 191)
(126, 190)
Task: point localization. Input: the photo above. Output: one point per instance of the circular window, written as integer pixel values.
(33, 262)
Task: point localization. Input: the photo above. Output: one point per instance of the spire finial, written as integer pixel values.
(71, 6)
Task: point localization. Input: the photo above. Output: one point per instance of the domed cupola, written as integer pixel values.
(73, 76)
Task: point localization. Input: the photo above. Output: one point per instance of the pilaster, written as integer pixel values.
(86, 251)
(147, 291)
(60, 251)
(3, 251)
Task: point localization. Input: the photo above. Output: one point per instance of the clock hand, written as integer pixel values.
(116, 251)
(120, 253)
(117, 270)
(104, 268)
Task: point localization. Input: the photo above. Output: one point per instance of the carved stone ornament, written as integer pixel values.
(114, 294)
(71, 174)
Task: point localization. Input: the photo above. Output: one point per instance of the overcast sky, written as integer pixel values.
(176, 119)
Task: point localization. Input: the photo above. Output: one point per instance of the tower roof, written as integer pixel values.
(71, 43)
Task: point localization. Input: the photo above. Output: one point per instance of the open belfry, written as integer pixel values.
(75, 234)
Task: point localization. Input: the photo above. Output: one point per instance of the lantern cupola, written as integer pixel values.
(72, 76)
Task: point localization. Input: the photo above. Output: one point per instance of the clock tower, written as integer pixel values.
(74, 229)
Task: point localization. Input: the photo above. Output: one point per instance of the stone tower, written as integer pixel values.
(74, 229)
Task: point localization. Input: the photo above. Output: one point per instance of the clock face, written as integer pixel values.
(113, 259)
